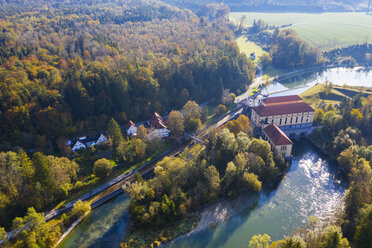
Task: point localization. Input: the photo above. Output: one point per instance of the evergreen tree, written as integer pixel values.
(114, 133)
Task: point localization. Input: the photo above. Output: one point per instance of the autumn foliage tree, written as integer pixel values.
(176, 123)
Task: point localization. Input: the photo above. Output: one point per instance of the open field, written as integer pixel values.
(315, 95)
(249, 47)
(325, 30)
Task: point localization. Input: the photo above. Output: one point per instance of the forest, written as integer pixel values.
(278, 5)
(66, 69)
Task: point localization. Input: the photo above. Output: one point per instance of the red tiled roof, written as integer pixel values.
(276, 135)
(282, 109)
(156, 121)
(130, 123)
(279, 99)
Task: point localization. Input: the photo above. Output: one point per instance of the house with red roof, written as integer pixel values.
(287, 112)
(277, 116)
(157, 127)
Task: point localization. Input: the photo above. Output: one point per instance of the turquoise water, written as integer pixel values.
(310, 188)
(104, 227)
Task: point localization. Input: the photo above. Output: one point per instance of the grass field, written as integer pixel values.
(315, 95)
(249, 47)
(325, 30)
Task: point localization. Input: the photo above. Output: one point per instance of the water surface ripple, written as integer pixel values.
(310, 188)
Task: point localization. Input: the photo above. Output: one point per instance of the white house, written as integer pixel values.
(252, 56)
(131, 128)
(102, 139)
(85, 142)
(77, 146)
(157, 127)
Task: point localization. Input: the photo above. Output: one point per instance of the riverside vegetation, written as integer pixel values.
(231, 162)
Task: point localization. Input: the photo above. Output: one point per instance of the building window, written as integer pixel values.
(291, 120)
(272, 121)
(267, 119)
(280, 123)
(283, 154)
(302, 118)
(283, 148)
(286, 121)
(296, 119)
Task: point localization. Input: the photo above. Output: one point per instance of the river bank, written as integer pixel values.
(311, 187)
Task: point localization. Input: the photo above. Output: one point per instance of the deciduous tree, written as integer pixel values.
(176, 123)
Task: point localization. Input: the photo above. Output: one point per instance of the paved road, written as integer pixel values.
(257, 81)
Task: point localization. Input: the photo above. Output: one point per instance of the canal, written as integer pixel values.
(311, 187)
(104, 227)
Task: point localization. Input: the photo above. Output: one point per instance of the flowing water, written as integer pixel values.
(309, 188)
(103, 227)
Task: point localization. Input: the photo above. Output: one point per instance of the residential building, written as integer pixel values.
(87, 141)
(157, 127)
(77, 145)
(278, 140)
(252, 56)
(131, 128)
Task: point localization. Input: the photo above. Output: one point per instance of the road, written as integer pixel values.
(257, 81)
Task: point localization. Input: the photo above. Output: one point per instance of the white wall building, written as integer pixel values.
(131, 128)
(157, 127)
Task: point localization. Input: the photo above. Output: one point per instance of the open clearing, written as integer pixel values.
(315, 95)
(325, 30)
(249, 47)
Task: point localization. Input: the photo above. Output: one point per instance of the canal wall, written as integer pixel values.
(69, 230)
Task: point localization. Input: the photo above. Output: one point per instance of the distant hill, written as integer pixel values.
(279, 5)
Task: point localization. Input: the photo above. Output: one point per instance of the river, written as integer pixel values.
(309, 188)
(358, 77)
(104, 227)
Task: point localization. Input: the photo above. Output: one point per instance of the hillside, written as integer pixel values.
(280, 5)
(66, 69)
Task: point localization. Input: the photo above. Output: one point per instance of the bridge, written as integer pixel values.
(187, 135)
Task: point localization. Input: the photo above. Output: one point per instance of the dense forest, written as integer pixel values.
(66, 69)
(290, 51)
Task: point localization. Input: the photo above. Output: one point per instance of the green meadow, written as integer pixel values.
(315, 95)
(325, 30)
(249, 47)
